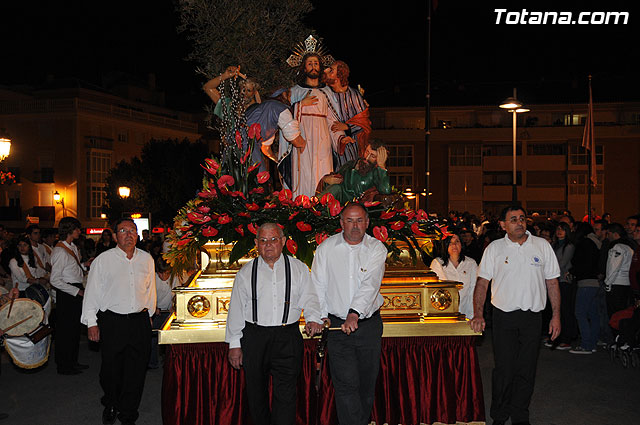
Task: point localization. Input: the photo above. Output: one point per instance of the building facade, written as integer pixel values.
(66, 140)
(471, 154)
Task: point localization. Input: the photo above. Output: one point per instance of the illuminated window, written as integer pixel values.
(575, 119)
(400, 166)
(578, 155)
(578, 183)
(465, 155)
(98, 166)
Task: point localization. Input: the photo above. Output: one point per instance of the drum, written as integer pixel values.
(28, 312)
(37, 293)
(21, 349)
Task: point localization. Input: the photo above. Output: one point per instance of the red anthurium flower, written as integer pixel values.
(280, 226)
(416, 230)
(397, 225)
(224, 190)
(293, 215)
(326, 198)
(334, 207)
(422, 215)
(198, 218)
(263, 177)
(254, 131)
(209, 231)
(240, 229)
(303, 227)
(339, 229)
(387, 215)
(210, 193)
(238, 139)
(303, 201)
(246, 155)
(292, 247)
(268, 205)
(224, 219)
(204, 209)
(252, 228)
(237, 193)
(371, 203)
(321, 237)
(244, 214)
(285, 196)
(226, 180)
(409, 214)
(183, 242)
(381, 233)
(253, 207)
(257, 190)
(253, 167)
(316, 213)
(212, 166)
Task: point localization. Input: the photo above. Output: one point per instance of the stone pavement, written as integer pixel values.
(570, 389)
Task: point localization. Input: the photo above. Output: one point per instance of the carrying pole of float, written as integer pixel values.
(427, 113)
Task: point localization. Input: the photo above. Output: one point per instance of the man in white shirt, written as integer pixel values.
(347, 272)
(523, 268)
(263, 333)
(67, 275)
(117, 309)
(39, 250)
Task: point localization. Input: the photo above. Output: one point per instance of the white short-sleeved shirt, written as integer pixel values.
(519, 272)
(466, 273)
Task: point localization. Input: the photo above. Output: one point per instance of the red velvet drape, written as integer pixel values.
(422, 379)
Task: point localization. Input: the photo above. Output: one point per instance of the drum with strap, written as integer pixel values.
(38, 293)
(27, 318)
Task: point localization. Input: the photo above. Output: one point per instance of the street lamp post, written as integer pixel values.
(513, 105)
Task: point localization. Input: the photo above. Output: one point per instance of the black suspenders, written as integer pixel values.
(287, 290)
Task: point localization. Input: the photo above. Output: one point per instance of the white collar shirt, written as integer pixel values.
(348, 276)
(466, 273)
(519, 272)
(19, 277)
(119, 284)
(270, 291)
(65, 269)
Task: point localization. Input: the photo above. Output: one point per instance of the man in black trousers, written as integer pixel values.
(67, 275)
(118, 305)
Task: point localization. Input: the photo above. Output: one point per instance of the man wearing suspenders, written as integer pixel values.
(263, 333)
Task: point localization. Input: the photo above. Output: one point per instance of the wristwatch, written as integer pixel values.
(353, 311)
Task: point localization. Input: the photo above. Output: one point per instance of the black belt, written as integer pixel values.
(375, 313)
(253, 325)
(128, 315)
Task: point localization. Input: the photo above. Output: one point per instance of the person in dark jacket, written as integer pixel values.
(585, 269)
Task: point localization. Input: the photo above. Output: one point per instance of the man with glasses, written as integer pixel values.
(524, 269)
(117, 309)
(263, 332)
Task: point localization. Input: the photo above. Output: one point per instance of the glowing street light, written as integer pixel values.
(124, 191)
(513, 105)
(5, 146)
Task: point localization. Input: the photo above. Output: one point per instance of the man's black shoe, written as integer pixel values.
(69, 371)
(80, 366)
(109, 415)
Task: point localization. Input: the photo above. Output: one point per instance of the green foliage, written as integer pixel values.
(162, 180)
(258, 35)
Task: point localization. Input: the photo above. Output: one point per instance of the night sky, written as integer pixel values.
(474, 61)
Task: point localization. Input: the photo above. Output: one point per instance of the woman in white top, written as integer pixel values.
(24, 270)
(165, 282)
(453, 265)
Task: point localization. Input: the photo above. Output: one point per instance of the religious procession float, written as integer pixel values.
(215, 232)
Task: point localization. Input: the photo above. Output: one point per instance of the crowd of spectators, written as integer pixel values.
(599, 262)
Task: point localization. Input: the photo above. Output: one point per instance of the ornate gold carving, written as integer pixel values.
(223, 305)
(441, 299)
(198, 306)
(401, 301)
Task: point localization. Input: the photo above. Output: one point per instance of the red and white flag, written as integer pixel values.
(588, 139)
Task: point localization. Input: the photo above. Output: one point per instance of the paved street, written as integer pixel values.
(570, 389)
